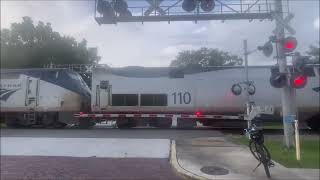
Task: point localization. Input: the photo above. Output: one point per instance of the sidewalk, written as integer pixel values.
(224, 157)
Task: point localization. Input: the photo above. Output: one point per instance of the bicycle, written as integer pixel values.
(258, 149)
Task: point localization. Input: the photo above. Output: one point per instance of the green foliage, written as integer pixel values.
(314, 52)
(26, 45)
(206, 57)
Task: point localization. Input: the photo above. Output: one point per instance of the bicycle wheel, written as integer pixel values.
(265, 153)
(266, 169)
(253, 149)
(264, 157)
(257, 151)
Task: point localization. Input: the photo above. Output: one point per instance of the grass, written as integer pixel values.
(287, 157)
(3, 125)
(272, 125)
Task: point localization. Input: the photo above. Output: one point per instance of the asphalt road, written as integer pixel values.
(135, 133)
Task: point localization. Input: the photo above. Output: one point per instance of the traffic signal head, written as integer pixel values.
(101, 6)
(298, 81)
(121, 7)
(104, 8)
(299, 62)
(207, 5)
(289, 44)
(189, 5)
(277, 79)
(299, 74)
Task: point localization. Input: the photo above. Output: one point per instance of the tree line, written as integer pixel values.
(26, 45)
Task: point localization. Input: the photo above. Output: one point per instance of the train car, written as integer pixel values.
(132, 95)
(42, 97)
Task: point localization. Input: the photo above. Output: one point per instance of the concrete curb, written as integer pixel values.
(180, 170)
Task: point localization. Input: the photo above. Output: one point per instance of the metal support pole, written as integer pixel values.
(287, 93)
(246, 53)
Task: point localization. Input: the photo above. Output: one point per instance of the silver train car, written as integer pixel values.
(42, 97)
(164, 90)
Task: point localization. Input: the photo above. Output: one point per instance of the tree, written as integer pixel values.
(26, 45)
(206, 57)
(314, 52)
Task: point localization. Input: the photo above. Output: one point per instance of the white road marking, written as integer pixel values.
(86, 147)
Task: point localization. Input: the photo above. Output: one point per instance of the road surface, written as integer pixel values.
(98, 153)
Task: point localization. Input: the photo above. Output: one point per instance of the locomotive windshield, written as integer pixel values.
(75, 82)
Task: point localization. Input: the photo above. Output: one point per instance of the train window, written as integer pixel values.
(153, 100)
(124, 99)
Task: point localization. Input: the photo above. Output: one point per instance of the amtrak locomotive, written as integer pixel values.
(42, 97)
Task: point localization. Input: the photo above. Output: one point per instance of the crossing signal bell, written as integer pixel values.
(267, 49)
(289, 44)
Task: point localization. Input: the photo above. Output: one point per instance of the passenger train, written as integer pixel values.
(139, 96)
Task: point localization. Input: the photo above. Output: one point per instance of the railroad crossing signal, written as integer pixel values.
(298, 81)
(298, 78)
(289, 44)
(277, 79)
(285, 23)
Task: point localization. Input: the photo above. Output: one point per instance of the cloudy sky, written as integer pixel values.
(156, 44)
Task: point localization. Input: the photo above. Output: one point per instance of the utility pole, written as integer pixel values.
(246, 53)
(287, 92)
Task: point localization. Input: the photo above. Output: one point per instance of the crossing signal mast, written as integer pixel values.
(117, 11)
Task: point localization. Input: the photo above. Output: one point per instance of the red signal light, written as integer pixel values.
(198, 113)
(299, 81)
(289, 44)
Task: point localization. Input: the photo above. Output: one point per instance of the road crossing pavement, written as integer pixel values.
(85, 158)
